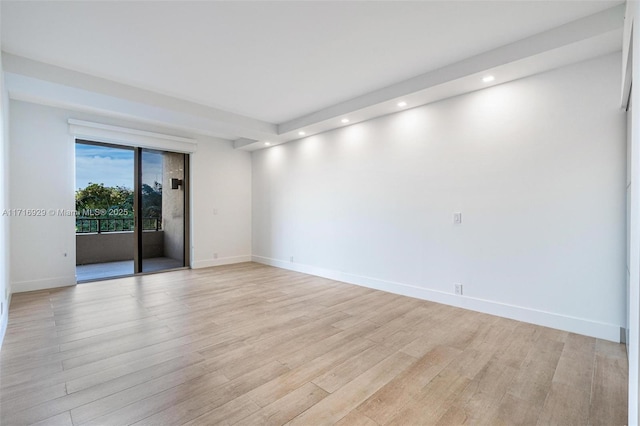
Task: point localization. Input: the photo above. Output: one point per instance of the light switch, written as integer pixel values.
(457, 218)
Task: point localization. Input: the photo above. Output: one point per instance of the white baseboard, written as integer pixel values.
(582, 326)
(207, 263)
(43, 284)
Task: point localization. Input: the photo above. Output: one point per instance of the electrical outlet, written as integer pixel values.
(215, 255)
(291, 259)
(458, 288)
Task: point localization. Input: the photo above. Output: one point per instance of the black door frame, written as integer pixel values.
(137, 206)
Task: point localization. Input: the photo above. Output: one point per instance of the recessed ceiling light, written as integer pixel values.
(301, 133)
(267, 143)
(488, 79)
(402, 104)
(345, 120)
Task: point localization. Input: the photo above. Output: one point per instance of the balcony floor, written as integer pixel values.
(98, 271)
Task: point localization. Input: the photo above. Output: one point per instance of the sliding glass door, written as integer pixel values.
(162, 210)
(131, 210)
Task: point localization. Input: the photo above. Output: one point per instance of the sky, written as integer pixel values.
(114, 166)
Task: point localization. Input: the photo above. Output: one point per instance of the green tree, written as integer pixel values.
(97, 196)
(152, 200)
(97, 201)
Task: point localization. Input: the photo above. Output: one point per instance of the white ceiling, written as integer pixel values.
(271, 61)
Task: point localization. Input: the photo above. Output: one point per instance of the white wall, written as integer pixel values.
(631, 71)
(221, 203)
(42, 176)
(5, 289)
(536, 166)
(633, 145)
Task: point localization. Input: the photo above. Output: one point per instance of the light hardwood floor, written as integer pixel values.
(250, 344)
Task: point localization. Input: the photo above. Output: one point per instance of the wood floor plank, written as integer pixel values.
(534, 378)
(82, 332)
(26, 383)
(157, 363)
(445, 330)
(62, 419)
(471, 361)
(21, 376)
(296, 377)
(124, 345)
(194, 404)
(575, 366)
(125, 398)
(608, 405)
(14, 403)
(356, 419)
(565, 405)
(252, 344)
(149, 402)
(515, 411)
(302, 356)
(165, 372)
(227, 414)
(479, 402)
(348, 370)
(337, 405)
(246, 357)
(432, 402)
(286, 408)
(387, 402)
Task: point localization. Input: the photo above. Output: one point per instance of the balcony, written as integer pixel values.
(105, 247)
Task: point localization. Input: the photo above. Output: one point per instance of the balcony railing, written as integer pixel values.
(89, 225)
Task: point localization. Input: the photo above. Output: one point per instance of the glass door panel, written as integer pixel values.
(162, 210)
(104, 211)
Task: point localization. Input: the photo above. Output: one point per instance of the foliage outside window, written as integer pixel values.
(103, 208)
